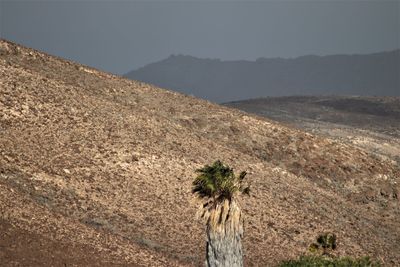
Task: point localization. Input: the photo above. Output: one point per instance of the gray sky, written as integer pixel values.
(119, 36)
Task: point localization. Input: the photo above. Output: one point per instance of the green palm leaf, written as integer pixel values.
(219, 182)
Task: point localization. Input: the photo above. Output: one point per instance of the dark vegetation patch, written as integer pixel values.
(320, 261)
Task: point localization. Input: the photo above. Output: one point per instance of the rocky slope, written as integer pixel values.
(97, 170)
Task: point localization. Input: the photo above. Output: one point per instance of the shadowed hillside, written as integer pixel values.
(371, 123)
(103, 166)
(223, 81)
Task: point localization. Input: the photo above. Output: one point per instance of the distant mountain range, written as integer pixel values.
(222, 81)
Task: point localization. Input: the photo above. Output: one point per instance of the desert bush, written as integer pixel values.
(322, 261)
(321, 257)
(325, 244)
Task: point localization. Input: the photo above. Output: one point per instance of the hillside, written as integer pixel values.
(371, 123)
(97, 170)
(223, 81)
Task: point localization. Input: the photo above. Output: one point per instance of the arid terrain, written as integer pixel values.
(370, 123)
(96, 170)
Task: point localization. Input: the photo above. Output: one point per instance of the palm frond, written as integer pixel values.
(218, 182)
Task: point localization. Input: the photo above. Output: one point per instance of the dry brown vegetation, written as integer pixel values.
(92, 164)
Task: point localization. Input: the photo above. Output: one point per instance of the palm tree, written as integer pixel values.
(217, 186)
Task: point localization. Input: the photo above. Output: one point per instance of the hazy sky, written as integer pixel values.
(119, 36)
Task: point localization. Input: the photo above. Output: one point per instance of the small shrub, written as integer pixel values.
(325, 244)
(321, 261)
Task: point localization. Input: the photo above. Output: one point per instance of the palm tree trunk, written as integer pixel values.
(224, 234)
